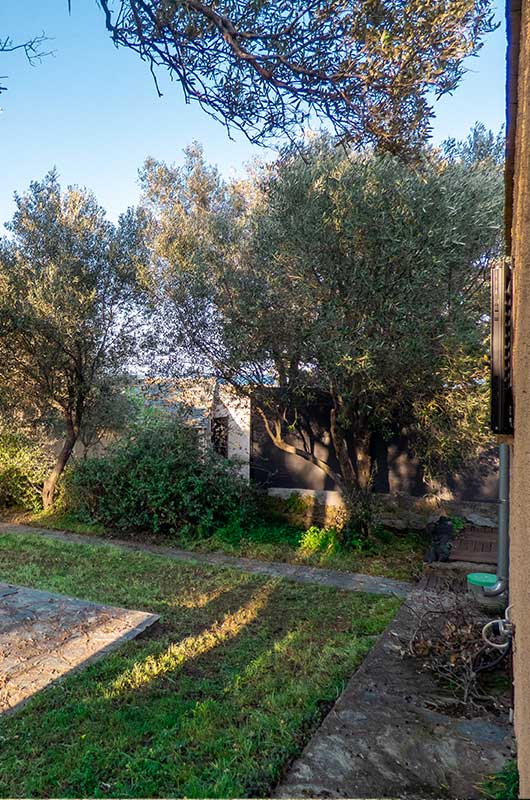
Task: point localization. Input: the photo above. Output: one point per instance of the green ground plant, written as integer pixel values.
(215, 702)
(157, 481)
(504, 785)
(392, 555)
(153, 484)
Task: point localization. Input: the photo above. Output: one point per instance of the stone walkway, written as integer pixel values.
(391, 734)
(45, 636)
(348, 581)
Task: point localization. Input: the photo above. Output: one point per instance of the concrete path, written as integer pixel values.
(348, 581)
(391, 734)
(45, 636)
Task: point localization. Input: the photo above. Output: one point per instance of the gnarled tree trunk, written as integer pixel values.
(363, 460)
(340, 445)
(50, 484)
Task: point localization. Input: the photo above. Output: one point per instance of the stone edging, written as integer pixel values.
(347, 581)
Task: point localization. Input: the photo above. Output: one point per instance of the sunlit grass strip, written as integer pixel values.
(214, 703)
(177, 654)
(400, 557)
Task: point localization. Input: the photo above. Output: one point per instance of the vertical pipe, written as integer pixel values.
(504, 511)
(503, 545)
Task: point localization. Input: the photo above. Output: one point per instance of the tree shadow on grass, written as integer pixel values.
(228, 689)
(215, 714)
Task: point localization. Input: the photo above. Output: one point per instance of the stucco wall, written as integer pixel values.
(397, 470)
(520, 471)
(237, 409)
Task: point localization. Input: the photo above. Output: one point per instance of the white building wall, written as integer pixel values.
(237, 409)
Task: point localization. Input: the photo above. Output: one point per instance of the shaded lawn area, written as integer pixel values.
(214, 702)
(398, 556)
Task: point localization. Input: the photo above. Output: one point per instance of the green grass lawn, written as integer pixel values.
(214, 702)
(399, 556)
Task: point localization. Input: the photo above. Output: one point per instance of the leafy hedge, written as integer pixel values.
(156, 479)
(24, 465)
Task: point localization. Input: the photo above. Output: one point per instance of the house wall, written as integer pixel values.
(398, 470)
(520, 462)
(237, 409)
(274, 468)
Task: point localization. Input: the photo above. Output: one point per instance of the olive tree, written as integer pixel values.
(356, 277)
(71, 316)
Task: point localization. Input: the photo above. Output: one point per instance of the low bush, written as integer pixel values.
(24, 465)
(321, 540)
(158, 480)
(334, 540)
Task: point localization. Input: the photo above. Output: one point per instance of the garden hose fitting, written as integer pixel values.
(499, 628)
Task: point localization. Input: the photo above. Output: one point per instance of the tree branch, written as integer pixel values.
(32, 50)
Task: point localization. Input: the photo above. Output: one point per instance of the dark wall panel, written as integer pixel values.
(273, 467)
(397, 468)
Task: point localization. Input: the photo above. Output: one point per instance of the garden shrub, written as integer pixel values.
(24, 465)
(320, 540)
(158, 480)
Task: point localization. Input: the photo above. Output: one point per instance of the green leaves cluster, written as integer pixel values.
(159, 479)
(369, 67)
(24, 466)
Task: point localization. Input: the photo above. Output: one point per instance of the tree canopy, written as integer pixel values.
(70, 313)
(370, 67)
(353, 276)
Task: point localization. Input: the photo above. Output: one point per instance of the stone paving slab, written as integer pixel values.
(347, 581)
(45, 636)
(387, 735)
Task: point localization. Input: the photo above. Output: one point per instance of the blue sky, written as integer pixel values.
(92, 110)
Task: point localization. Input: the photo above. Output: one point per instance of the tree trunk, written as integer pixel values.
(356, 473)
(363, 459)
(340, 445)
(50, 484)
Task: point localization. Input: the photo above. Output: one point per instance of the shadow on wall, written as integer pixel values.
(397, 469)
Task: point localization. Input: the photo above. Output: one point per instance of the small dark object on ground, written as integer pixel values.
(442, 534)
